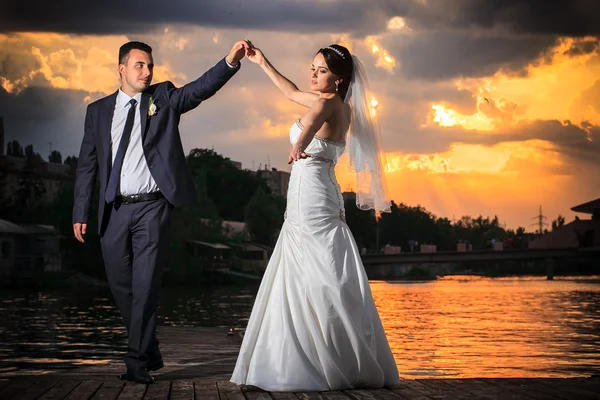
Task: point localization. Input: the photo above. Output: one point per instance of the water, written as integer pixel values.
(455, 327)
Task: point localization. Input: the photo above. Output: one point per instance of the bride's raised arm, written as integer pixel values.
(289, 89)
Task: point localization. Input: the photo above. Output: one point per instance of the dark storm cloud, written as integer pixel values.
(571, 140)
(40, 115)
(439, 56)
(106, 17)
(581, 48)
(547, 17)
(552, 17)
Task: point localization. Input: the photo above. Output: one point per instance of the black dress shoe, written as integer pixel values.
(137, 375)
(155, 365)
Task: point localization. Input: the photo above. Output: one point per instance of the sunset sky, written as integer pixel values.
(486, 107)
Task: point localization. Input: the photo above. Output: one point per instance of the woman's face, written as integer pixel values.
(321, 78)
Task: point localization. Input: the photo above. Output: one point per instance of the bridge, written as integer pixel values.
(484, 262)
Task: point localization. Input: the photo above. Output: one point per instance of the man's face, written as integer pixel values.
(137, 71)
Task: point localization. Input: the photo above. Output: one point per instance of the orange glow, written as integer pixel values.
(506, 179)
(452, 327)
(448, 117)
(557, 86)
(397, 24)
(72, 62)
(374, 105)
(384, 59)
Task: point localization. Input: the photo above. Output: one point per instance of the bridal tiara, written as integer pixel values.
(339, 53)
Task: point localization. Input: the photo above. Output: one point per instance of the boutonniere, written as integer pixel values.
(151, 107)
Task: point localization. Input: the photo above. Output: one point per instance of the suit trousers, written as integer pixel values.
(135, 248)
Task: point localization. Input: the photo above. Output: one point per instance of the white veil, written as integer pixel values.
(364, 145)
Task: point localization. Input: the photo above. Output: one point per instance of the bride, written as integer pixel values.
(314, 325)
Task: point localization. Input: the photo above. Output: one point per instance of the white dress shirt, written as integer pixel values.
(135, 175)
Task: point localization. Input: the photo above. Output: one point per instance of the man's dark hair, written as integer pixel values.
(127, 47)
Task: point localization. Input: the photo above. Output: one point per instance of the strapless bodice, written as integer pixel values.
(318, 147)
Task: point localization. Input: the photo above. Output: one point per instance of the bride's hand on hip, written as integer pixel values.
(296, 154)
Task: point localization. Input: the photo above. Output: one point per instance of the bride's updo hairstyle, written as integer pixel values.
(339, 61)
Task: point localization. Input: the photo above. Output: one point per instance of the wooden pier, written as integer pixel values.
(195, 389)
(199, 362)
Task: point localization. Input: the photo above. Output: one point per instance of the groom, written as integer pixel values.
(131, 140)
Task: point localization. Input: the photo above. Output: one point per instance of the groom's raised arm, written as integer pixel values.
(189, 96)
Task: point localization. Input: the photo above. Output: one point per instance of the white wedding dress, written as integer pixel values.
(314, 325)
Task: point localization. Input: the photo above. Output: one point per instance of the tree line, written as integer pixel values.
(227, 193)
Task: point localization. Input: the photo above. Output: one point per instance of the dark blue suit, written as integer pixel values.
(135, 237)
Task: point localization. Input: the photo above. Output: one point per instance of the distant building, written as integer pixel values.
(28, 249)
(14, 169)
(578, 233)
(51, 176)
(591, 207)
(236, 164)
(278, 181)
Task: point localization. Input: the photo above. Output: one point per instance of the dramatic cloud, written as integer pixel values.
(486, 107)
(556, 17)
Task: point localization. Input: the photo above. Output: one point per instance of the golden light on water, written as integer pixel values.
(470, 327)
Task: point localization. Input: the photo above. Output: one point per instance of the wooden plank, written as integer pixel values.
(420, 387)
(132, 391)
(230, 391)
(232, 396)
(334, 395)
(446, 391)
(205, 384)
(109, 390)
(182, 390)
(14, 388)
(84, 391)
(284, 396)
(60, 390)
(591, 384)
(385, 394)
(501, 386)
(563, 387)
(585, 384)
(404, 390)
(309, 395)
(485, 390)
(35, 390)
(206, 389)
(228, 387)
(534, 385)
(3, 382)
(159, 390)
(360, 395)
(250, 388)
(257, 396)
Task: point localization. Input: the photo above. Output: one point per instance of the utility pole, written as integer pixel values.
(541, 221)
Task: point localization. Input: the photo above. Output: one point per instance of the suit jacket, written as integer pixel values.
(160, 140)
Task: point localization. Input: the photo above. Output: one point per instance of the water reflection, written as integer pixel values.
(492, 328)
(55, 330)
(456, 327)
